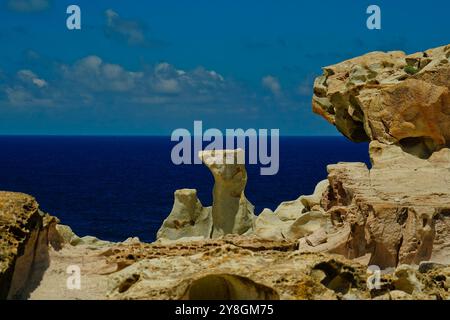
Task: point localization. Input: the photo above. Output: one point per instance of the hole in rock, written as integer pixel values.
(422, 147)
(445, 212)
(402, 216)
(358, 134)
(337, 277)
(127, 283)
(228, 287)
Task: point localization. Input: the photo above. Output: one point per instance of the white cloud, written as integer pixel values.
(165, 78)
(167, 86)
(129, 30)
(28, 5)
(272, 84)
(28, 76)
(94, 74)
(93, 81)
(23, 97)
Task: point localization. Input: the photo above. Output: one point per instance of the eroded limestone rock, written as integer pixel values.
(391, 212)
(294, 219)
(25, 235)
(390, 97)
(68, 237)
(268, 225)
(307, 224)
(67, 234)
(292, 210)
(188, 218)
(243, 267)
(312, 202)
(236, 267)
(232, 213)
(406, 280)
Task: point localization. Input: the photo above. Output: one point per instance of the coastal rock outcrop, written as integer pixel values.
(68, 237)
(390, 97)
(246, 267)
(25, 235)
(270, 226)
(294, 219)
(232, 213)
(188, 218)
(232, 267)
(397, 212)
(292, 210)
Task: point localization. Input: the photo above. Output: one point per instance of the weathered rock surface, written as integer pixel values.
(292, 210)
(307, 224)
(67, 236)
(25, 234)
(232, 213)
(270, 226)
(233, 267)
(294, 219)
(390, 97)
(397, 212)
(188, 218)
(312, 202)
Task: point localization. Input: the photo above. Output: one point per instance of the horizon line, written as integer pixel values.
(142, 135)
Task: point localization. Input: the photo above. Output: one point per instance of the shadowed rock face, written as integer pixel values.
(390, 97)
(25, 233)
(232, 213)
(228, 287)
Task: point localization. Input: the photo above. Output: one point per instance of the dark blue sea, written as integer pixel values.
(117, 187)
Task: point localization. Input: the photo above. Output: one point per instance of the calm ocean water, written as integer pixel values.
(117, 187)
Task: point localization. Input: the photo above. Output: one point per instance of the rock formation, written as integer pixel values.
(293, 219)
(245, 267)
(25, 234)
(390, 97)
(188, 218)
(232, 213)
(232, 267)
(397, 212)
(269, 225)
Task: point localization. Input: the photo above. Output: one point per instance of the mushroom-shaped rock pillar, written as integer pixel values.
(232, 213)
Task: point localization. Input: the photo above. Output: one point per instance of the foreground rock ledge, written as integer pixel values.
(234, 267)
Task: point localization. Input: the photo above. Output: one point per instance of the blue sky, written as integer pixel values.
(149, 67)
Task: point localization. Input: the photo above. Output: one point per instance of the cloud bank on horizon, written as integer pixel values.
(151, 68)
